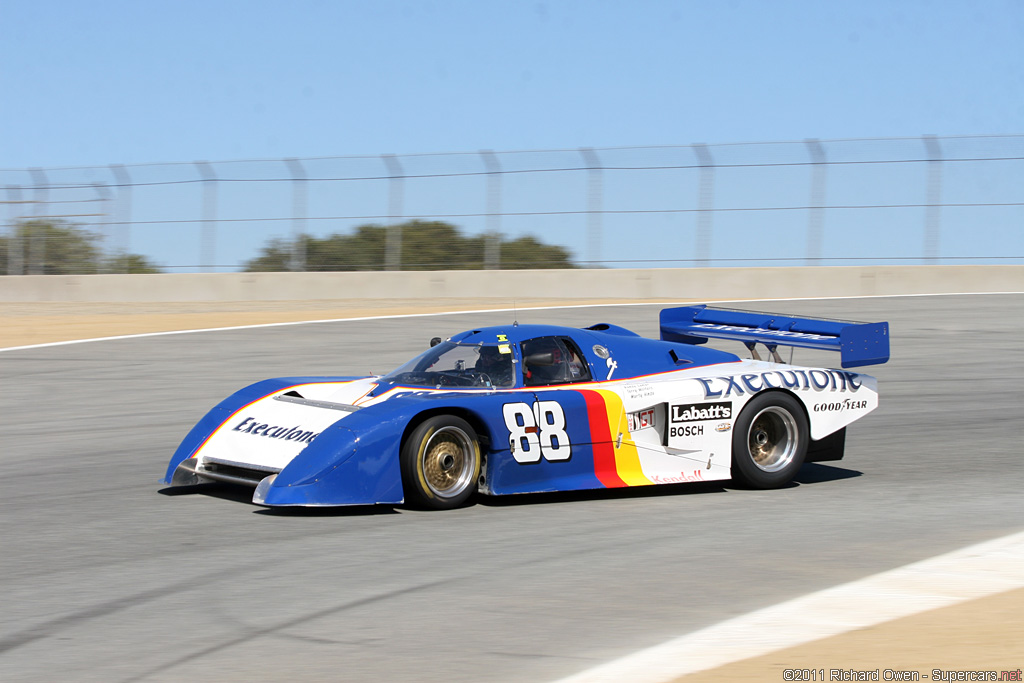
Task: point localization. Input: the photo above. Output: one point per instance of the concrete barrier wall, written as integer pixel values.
(658, 284)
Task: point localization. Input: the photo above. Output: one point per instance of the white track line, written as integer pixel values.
(483, 310)
(973, 572)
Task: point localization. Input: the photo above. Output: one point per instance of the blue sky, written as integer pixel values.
(94, 83)
(102, 82)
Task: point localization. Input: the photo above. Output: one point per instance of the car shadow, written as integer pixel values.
(817, 473)
(342, 511)
(810, 473)
(553, 497)
(242, 494)
(213, 490)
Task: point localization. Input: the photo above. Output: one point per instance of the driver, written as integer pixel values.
(496, 365)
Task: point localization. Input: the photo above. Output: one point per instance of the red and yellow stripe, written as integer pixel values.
(615, 465)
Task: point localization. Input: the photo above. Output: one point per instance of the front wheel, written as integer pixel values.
(769, 441)
(441, 462)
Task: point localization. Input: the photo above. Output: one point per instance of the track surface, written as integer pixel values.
(105, 578)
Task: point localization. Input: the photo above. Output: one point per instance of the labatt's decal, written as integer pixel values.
(702, 411)
(814, 380)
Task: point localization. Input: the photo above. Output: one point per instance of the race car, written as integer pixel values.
(531, 408)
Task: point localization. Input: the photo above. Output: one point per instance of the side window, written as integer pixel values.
(577, 365)
(552, 360)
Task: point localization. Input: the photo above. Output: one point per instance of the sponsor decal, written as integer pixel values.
(764, 332)
(837, 406)
(692, 412)
(724, 427)
(257, 428)
(681, 478)
(686, 431)
(814, 380)
(642, 419)
(612, 364)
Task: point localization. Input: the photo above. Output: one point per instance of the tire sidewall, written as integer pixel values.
(744, 469)
(414, 482)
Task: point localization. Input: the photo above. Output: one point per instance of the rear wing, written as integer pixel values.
(858, 343)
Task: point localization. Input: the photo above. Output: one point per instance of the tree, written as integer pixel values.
(60, 248)
(426, 245)
(129, 263)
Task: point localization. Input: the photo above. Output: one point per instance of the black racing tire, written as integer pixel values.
(769, 441)
(440, 462)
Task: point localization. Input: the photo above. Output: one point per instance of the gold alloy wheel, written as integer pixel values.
(773, 439)
(449, 462)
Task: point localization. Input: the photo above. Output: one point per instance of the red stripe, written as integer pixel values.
(601, 440)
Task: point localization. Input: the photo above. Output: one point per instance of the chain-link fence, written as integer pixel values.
(815, 202)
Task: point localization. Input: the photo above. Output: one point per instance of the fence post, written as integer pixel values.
(393, 249)
(15, 247)
(595, 201)
(104, 196)
(492, 240)
(37, 238)
(933, 210)
(208, 240)
(124, 200)
(705, 203)
(816, 217)
(297, 262)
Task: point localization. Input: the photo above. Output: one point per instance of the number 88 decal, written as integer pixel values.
(537, 431)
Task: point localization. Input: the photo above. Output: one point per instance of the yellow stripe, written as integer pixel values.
(627, 460)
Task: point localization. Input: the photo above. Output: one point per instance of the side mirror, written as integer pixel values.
(435, 341)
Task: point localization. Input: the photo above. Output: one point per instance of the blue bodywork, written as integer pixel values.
(356, 460)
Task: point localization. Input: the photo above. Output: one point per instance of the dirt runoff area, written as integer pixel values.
(980, 635)
(984, 635)
(24, 324)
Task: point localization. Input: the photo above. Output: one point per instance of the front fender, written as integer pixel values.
(203, 429)
(350, 464)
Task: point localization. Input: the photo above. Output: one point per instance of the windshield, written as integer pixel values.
(457, 365)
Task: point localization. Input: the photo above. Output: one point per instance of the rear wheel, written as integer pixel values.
(769, 441)
(441, 462)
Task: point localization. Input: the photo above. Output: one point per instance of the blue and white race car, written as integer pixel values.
(529, 408)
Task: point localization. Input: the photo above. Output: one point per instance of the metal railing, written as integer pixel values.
(911, 200)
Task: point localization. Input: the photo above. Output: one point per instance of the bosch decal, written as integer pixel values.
(686, 431)
(694, 412)
(815, 380)
(256, 428)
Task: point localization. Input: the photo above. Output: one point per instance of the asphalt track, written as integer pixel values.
(106, 577)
